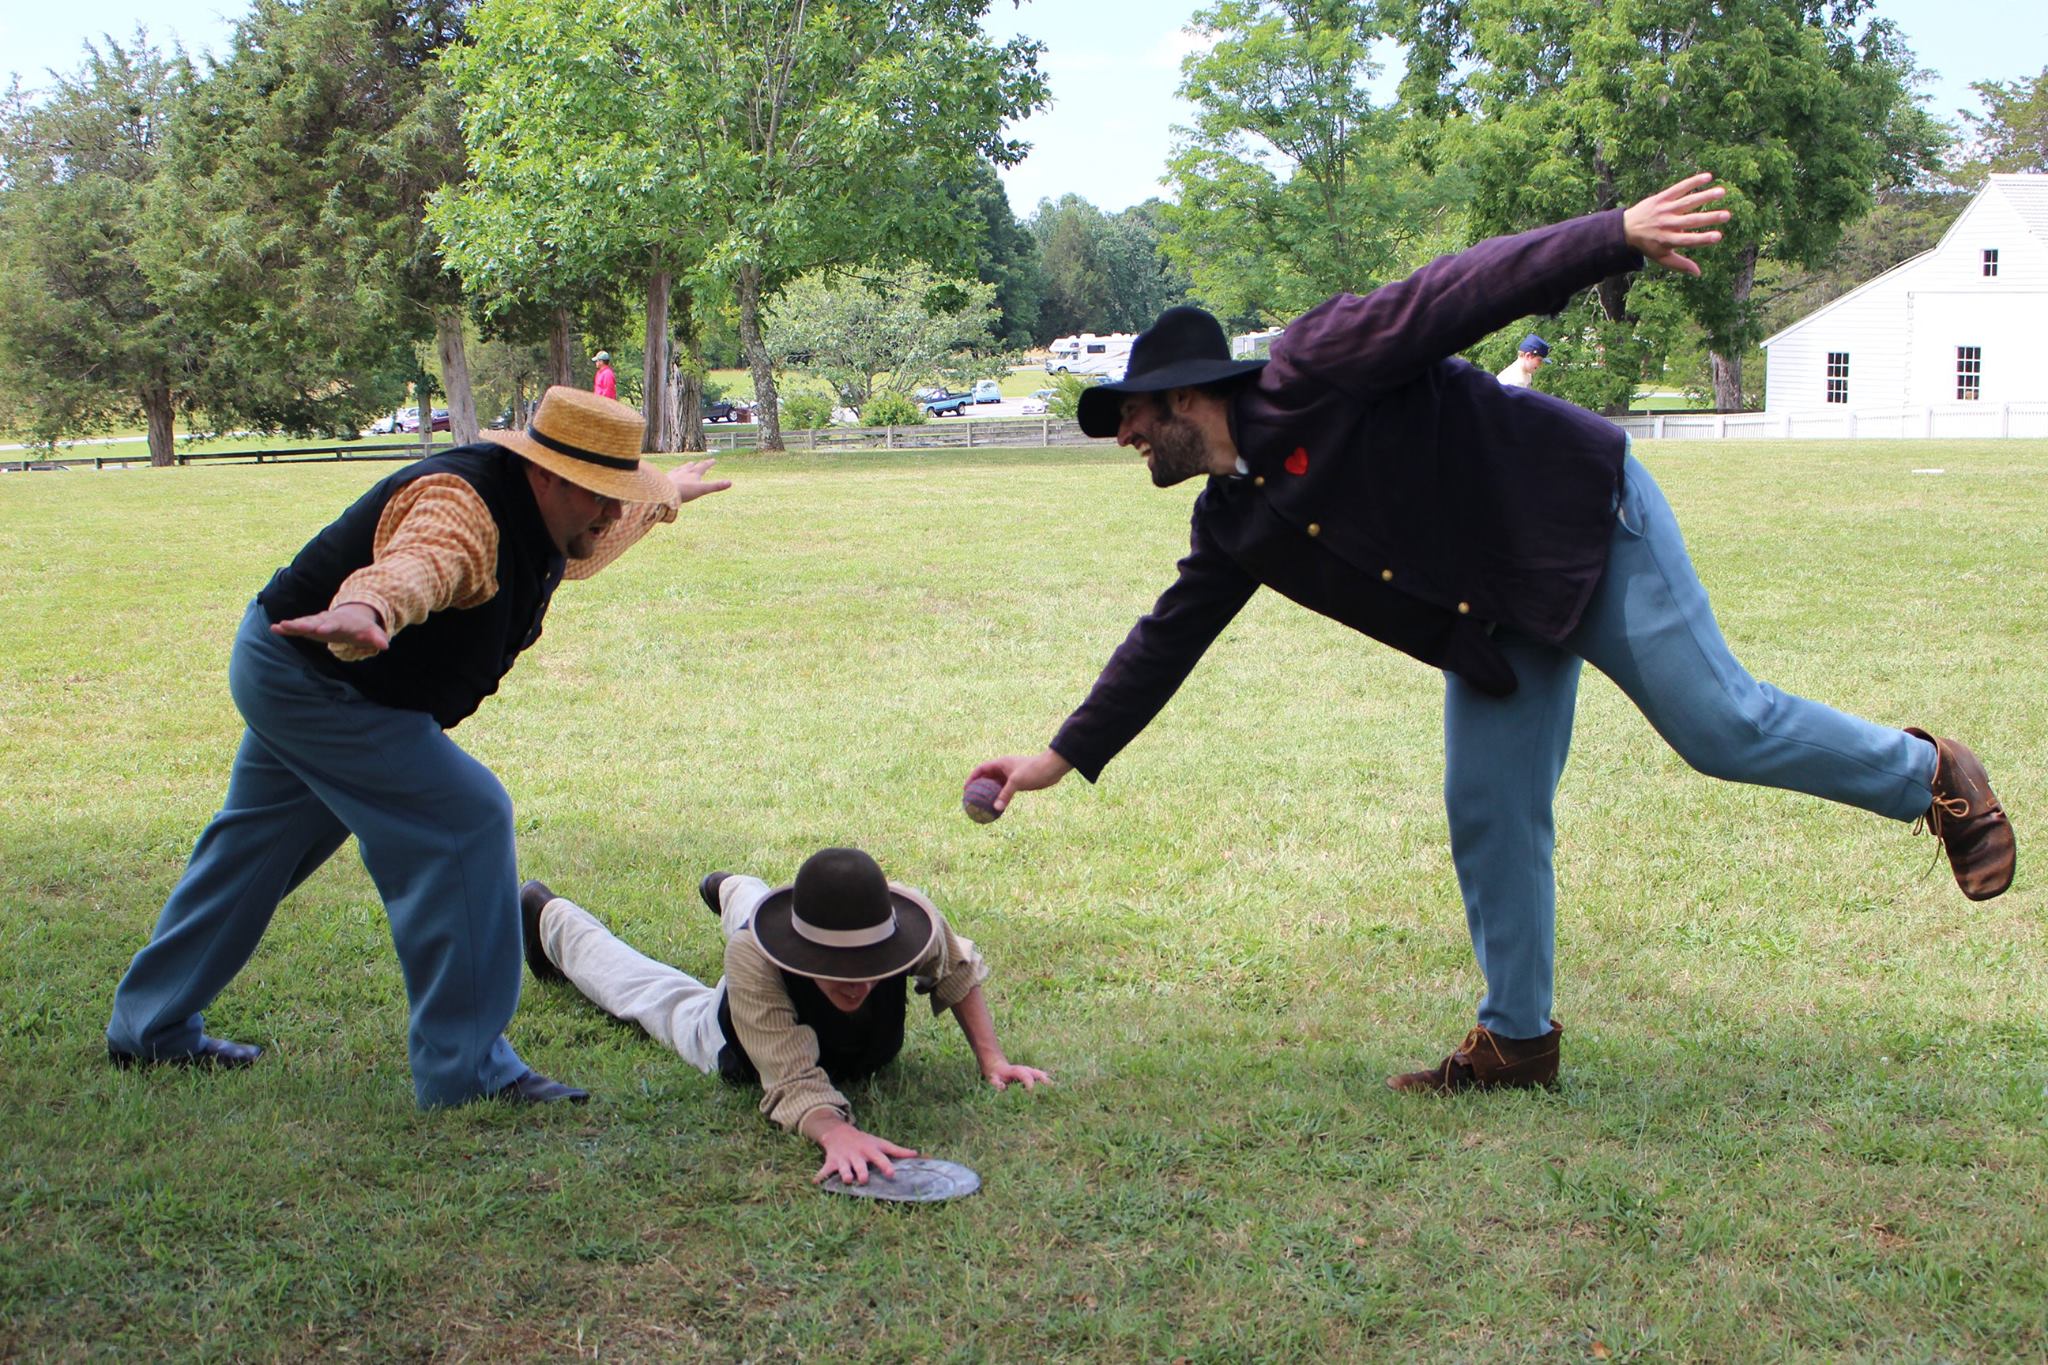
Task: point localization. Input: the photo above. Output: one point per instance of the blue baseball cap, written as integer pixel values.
(1534, 345)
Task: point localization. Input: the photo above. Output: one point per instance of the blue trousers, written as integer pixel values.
(1650, 628)
(317, 763)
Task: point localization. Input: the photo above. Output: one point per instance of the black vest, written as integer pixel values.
(447, 664)
(851, 1047)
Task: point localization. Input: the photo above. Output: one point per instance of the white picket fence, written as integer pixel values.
(1978, 421)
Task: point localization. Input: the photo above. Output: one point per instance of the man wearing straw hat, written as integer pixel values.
(389, 628)
(813, 995)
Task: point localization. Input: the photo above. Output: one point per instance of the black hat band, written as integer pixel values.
(539, 437)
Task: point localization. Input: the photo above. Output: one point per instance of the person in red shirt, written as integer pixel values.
(607, 382)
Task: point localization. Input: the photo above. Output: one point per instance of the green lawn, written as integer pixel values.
(1804, 1113)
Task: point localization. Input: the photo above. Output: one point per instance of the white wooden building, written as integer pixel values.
(1951, 343)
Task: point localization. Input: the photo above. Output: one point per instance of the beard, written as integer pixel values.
(1178, 453)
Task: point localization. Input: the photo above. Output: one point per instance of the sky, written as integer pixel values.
(1113, 66)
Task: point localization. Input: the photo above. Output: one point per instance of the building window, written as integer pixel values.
(1838, 377)
(1969, 372)
(1990, 261)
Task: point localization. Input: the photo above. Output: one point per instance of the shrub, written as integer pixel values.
(806, 411)
(1066, 396)
(892, 410)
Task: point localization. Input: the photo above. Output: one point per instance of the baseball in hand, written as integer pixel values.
(979, 800)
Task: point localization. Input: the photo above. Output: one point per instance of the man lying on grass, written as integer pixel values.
(813, 995)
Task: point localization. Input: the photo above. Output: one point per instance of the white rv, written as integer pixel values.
(1088, 353)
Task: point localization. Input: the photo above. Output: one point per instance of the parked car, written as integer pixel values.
(409, 419)
(1037, 404)
(388, 424)
(988, 391)
(952, 405)
(727, 410)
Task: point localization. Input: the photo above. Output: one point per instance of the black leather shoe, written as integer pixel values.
(534, 898)
(534, 1088)
(211, 1052)
(707, 889)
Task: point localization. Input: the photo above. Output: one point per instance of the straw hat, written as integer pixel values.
(842, 920)
(592, 442)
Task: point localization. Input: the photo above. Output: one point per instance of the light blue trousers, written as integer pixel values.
(1650, 628)
(317, 763)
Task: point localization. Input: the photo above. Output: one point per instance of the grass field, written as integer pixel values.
(1804, 1112)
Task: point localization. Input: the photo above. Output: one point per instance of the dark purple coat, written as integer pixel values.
(1393, 487)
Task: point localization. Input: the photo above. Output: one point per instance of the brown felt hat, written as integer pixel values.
(842, 920)
(592, 442)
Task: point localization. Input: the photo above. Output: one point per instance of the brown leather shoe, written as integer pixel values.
(1487, 1061)
(1966, 817)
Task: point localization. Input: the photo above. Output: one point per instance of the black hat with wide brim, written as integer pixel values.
(1183, 349)
(842, 920)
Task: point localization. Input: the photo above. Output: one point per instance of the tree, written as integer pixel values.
(86, 341)
(1077, 287)
(291, 226)
(1144, 279)
(2012, 132)
(1103, 272)
(1560, 108)
(792, 136)
(1007, 257)
(891, 333)
(1293, 184)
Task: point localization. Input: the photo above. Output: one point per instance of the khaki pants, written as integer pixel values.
(676, 1009)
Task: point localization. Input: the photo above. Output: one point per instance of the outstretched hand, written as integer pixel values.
(1672, 218)
(354, 624)
(690, 483)
(1019, 773)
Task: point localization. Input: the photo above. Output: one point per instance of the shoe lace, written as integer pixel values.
(1938, 812)
(1934, 820)
(1482, 1033)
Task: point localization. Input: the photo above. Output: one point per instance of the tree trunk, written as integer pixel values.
(1613, 292)
(462, 426)
(1727, 364)
(561, 358)
(766, 409)
(687, 396)
(654, 367)
(156, 404)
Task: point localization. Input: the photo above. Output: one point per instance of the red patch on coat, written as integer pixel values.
(1297, 463)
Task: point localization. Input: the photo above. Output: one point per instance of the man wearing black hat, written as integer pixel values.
(1530, 354)
(813, 997)
(1500, 535)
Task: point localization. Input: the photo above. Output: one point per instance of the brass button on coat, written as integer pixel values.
(1315, 528)
(1386, 575)
(1258, 481)
(1464, 608)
